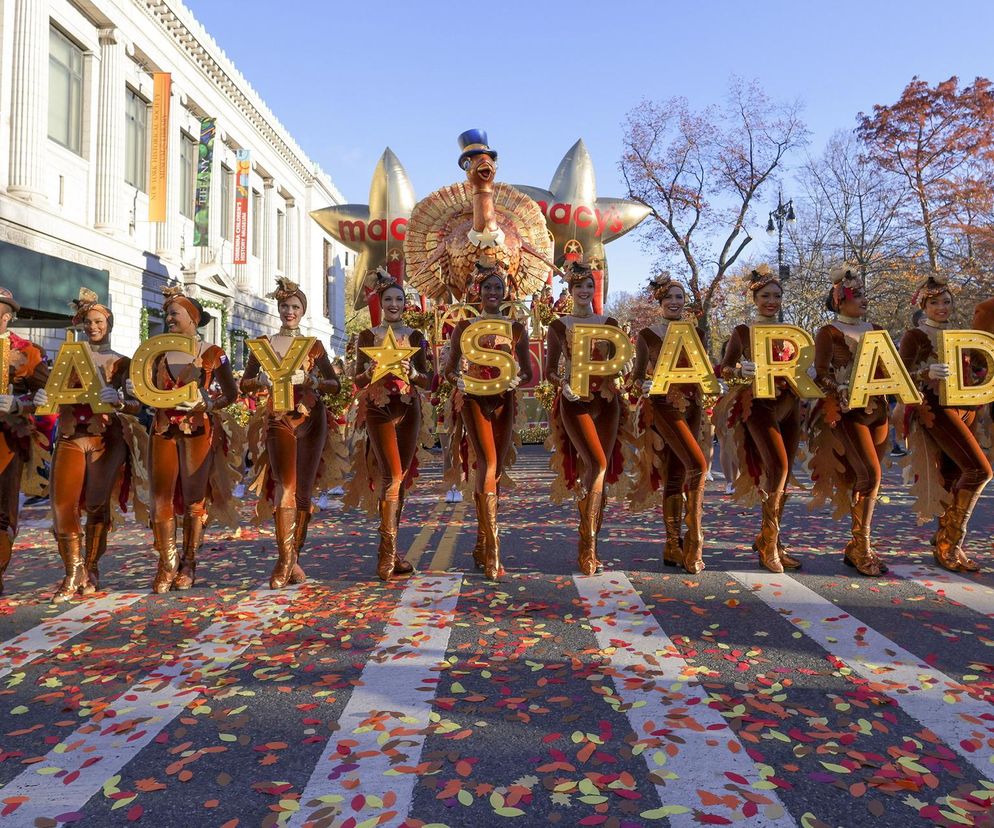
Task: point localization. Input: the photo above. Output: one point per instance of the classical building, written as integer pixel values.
(76, 91)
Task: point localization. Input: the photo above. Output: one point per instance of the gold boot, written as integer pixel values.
(193, 534)
(297, 574)
(286, 529)
(673, 520)
(859, 553)
(693, 542)
(769, 533)
(401, 566)
(586, 557)
(949, 552)
(387, 552)
(480, 549)
(787, 561)
(70, 550)
(94, 546)
(599, 567)
(492, 568)
(164, 535)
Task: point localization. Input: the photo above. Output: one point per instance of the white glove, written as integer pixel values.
(461, 383)
(8, 404)
(646, 386)
(747, 368)
(40, 398)
(939, 371)
(263, 379)
(197, 405)
(569, 393)
(108, 395)
(298, 378)
(129, 387)
(514, 383)
(722, 387)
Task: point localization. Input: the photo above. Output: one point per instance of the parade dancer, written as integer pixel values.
(94, 455)
(390, 422)
(189, 445)
(488, 421)
(764, 432)
(945, 457)
(669, 451)
(585, 432)
(847, 445)
(27, 372)
(290, 448)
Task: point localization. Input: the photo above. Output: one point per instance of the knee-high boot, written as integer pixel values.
(70, 550)
(94, 547)
(492, 568)
(387, 552)
(859, 553)
(193, 534)
(303, 517)
(948, 551)
(164, 535)
(787, 561)
(769, 534)
(284, 518)
(586, 556)
(693, 542)
(480, 549)
(673, 520)
(401, 565)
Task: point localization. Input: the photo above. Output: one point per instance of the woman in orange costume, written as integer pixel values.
(488, 421)
(294, 441)
(671, 454)
(27, 372)
(853, 440)
(188, 448)
(945, 454)
(585, 437)
(392, 417)
(93, 455)
(765, 433)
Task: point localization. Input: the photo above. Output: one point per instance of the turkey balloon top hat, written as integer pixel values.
(474, 142)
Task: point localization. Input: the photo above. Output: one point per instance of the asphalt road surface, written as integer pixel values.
(635, 697)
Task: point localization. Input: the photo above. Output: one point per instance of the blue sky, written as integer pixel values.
(348, 79)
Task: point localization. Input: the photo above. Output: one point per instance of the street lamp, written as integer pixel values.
(782, 213)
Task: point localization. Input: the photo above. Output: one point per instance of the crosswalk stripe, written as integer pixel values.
(447, 545)
(915, 687)
(384, 725)
(93, 753)
(675, 701)
(973, 594)
(55, 631)
(422, 539)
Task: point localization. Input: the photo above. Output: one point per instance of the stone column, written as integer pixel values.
(268, 223)
(110, 133)
(292, 241)
(29, 100)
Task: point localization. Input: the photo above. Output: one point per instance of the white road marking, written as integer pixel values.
(963, 590)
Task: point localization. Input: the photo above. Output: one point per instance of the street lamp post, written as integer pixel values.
(783, 213)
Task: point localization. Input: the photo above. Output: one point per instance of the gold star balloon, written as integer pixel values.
(388, 356)
(376, 231)
(580, 222)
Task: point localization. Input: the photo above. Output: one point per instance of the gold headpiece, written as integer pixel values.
(380, 280)
(935, 285)
(659, 285)
(761, 277)
(285, 289)
(576, 271)
(845, 279)
(191, 306)
(87, 301)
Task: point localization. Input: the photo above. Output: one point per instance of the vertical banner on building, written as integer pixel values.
(158, 174)
(205, 162)
(242, 164)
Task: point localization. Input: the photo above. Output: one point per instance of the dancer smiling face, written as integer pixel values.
(96, 327)
(673, 303)
(179, 321)
(392, 301)
(768, 300)
(492, 292)
(939, 308)
(291, 311)
(582, 292)
(855, 303)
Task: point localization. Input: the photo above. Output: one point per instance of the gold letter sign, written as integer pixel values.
(469, 344)
(583, 367)
(954, 391)
(876, 350)
(281, 371)
(141, 371)
(74, 379)
(794, 370)
(682, 340)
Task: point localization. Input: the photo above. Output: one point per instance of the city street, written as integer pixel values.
(635, 697)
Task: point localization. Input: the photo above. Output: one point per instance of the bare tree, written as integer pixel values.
(700, 172)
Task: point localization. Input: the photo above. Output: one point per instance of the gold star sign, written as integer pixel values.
(388, 356)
